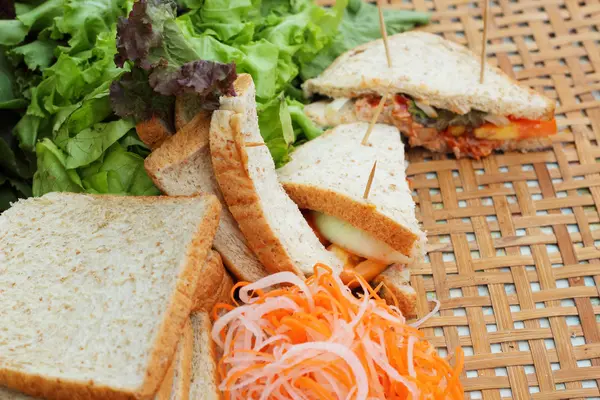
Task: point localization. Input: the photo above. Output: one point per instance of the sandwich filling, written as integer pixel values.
(475, 134)
(360, 252)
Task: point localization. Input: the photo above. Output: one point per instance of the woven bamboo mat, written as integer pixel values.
(514, 252)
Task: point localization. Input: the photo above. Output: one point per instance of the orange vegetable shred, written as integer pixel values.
(315, 339)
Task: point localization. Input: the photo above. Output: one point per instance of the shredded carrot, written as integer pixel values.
(315, 339)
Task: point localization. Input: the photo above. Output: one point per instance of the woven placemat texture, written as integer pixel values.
(514, 254)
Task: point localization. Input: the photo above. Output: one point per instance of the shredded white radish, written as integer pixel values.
(498, 120)
(429, 315)
(316, 340)
(427, 109)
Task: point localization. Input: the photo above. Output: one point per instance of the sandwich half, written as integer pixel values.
(328, 176)
(182, 166)
(435, 98)
(272, 224)
(96, 291)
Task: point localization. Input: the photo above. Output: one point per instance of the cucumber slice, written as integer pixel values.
(356, 240)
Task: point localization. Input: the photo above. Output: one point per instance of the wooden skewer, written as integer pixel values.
(378, 111)
(365, 140)
(389, 61)
(370, 181)
(486, 13)
(254, 144)
(384, 34)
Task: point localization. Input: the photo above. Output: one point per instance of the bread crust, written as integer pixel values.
(183, 388)
(396, 289)
(361, 215)
(187, 146)
(164, 392)
(165, 342)
(214, 286)
(230, 163)
(152, 132)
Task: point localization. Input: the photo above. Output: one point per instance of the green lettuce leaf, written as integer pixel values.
(16, 166)
(121, 172)
(51, 174)
(73, 82)
(9, 96)
(38, 54)
(360, 24)
(282, 124)
(88, 145)
(83, 21)
(117, 171)
(14, 31)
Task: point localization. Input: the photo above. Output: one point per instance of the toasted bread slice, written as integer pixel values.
(329, 174)
(182, 166)
(97, 290)
(215, 285)
(272, 224)
(431, 69)
(205, 380)
(396, 289)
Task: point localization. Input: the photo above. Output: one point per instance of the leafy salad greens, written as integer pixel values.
(76, 76)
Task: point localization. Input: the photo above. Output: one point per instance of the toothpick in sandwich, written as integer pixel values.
(486, 14)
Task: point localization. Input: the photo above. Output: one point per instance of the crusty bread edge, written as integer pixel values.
(229, 159)
(217, 289)
(393, 291)
(187, 349)
(152, 132)
(160, 157)
(165, 342)
(361, 215)
(164, 392)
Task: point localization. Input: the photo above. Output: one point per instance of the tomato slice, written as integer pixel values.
(519, 129)
(529, 128)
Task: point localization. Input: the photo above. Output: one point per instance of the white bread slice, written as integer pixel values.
(205, 380)
(182, 365)
(272, 224)
(176, 385)
(429, 68)
(396, 287)
(182, 166)
(329, 174)
(317, 112)
(215, 285)
(97, 290)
